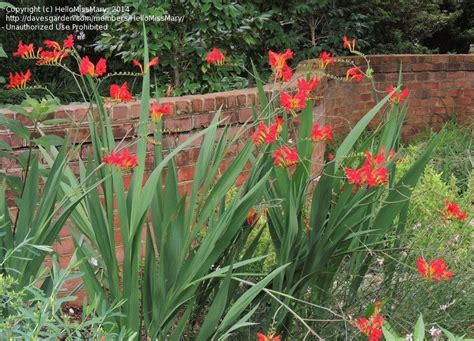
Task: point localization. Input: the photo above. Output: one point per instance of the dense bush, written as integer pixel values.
(247, 30)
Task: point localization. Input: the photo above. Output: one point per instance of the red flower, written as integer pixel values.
(52, 44)
(120, 92)
(18, 80)
(349, 44)
(321, 134)
(330, 156)
(452, 210)
(121, 160)
(52, 57)
(87, 67)
(398, 96)
(215, 57)
(372, 173)
(69, 42)
(307, 86)
(252, 217)
(267, 134)
(294, 103)
(280, 68)
(277, 60)
(159, 110)
(437, 270)
(372, 326)
(325, 59)
(354, 73)
(153, 62)
(263, 337)
(285, 156)
(24, 51)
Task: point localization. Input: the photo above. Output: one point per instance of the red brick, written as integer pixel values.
(202, 120)
(209, 104)
(197, 105)
(178, 124)
(120, 111)
(231, 102)
(183, 107)
(245, 114)
(241, 100)
(421, 67)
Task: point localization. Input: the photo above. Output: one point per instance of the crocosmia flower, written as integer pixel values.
(120, 92)
(24, 51)
(18, 80)
(123, 160)
(372, 326)
(293, 103)
(52, 56)
(355, 74)
(325, 59)
(285, 156)
(267, 134)
(152, 63)
(349, 44)
(452, 210)
(437, 270)
(159, 110)
(305, 86)
(86, 67)
(215, 57)
(69, 42)
(372, 172)
(278, 62)
(398, 96)
(52, 44)
(321, 133)
(263, 337)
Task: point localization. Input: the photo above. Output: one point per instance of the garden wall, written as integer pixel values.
(441, 86)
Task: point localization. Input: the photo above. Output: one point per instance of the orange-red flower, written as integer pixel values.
(120, 92)
(305, 86)
(152, 63)
(293, 103)
(271, 337)
(52, 44)
(68, 42)
(437, 270)
(325, 59)
(372, 326)
(18, 80)
(86, 67)
(349, 44)
(285, 156)
(267, 134)
(215, 57)
(252, 217)
(397, 97)
(355, 74)
(159, 110)
(24, 51)
(52, 57)
(321, 134)
(452, 210)
(123, 160)
(278, 62)
(372, 172)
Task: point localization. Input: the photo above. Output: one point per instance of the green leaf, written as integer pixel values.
(49, 140)
(419, 332)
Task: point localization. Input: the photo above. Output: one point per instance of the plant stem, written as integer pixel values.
(28, 161)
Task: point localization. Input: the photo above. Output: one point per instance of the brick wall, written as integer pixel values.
(441, 86)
